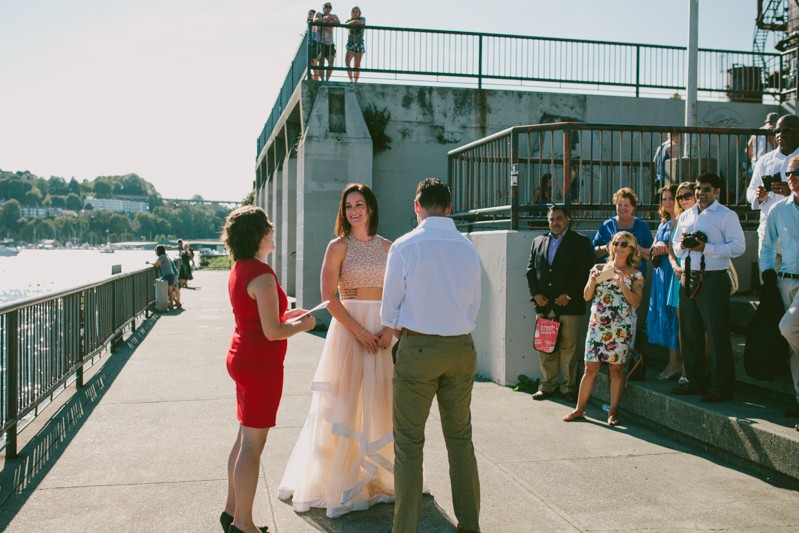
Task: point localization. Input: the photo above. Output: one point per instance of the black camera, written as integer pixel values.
(691, 240)
(768, 181)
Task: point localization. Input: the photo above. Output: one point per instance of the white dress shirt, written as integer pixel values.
(725, 237)
(768, 165)
(782, 226)
(432, 282)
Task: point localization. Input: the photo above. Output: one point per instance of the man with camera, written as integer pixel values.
(769, 183)
(783, 226)
(707, 236)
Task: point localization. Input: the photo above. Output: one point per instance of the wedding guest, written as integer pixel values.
(625, 201)
(662, 327)
(556, 274)
(255, 357)
(431, 298)
(344, 458)
(706, 237)
(324, 37)
(355, 44)
(610, 328)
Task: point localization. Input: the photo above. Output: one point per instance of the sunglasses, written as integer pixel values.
(685, 196)
(621, 243)
(782, 130)
(706, 189)
(792, 173)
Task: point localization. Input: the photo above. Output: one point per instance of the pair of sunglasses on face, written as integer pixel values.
(623, 244)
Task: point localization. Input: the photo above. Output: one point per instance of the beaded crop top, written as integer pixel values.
(364, 265)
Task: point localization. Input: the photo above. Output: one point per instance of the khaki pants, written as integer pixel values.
(789, 324)
(445, 367)
(563, 360)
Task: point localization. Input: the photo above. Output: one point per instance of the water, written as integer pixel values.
(38, 272)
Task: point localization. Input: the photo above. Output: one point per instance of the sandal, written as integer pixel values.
(612, 420)
(574, 415)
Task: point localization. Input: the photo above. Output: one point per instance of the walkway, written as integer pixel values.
(143, 448)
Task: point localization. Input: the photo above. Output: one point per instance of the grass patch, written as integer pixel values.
(221, 262)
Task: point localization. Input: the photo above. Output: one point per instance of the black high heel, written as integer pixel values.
(226, 520)
(227, 524)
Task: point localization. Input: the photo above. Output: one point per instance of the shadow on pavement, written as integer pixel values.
(379, 518)
(20, 476)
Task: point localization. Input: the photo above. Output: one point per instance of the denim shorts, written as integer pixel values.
(169, 278)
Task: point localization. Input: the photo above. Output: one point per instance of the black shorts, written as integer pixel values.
(326, 50)
(313, 50)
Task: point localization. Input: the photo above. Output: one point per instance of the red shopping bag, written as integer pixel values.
(546, 334)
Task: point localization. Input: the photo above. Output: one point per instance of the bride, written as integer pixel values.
(344, 458)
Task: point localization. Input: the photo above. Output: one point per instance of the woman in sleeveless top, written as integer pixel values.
(255, 357)
(610, 327)
(344, 458)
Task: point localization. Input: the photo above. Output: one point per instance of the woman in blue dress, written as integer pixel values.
(662, 327)
(625, 201)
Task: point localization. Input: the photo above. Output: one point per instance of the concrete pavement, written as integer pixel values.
(143, 448)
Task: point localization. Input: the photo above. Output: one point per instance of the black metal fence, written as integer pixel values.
(505, 61)
(508, 179)
(45, 341)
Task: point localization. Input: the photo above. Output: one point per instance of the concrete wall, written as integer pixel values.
(336, 147)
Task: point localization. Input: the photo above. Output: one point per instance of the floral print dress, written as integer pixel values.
(610, 328)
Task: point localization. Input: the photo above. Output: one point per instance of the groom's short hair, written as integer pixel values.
(433, 193)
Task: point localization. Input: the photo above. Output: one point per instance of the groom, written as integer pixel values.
(431, 295)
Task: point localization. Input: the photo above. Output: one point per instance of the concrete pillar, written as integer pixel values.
(288, 229)
(336, 149)
(275, 212)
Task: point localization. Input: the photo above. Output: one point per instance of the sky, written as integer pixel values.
(177, 91)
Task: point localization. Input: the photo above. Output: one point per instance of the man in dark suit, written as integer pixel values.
(556, 274)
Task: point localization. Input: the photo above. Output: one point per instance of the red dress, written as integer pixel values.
(254, 362)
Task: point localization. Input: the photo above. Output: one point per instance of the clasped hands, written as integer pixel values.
(541, 300)
(373, 342)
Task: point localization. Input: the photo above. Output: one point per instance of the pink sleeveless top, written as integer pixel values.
(364, 265)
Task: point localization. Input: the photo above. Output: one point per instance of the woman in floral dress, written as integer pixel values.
(610, 328)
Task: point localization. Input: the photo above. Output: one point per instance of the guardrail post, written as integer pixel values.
(514, 180)
(82, 341)
(637, 71)
(480, 62)
(567, 165)
(12, 377)
(113, 314)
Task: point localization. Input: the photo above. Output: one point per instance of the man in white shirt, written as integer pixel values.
(783, 227)
(707, 236)
(773, 165)
(431, 296)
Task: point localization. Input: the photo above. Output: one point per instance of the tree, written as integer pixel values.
(155, 200)
(74, 186)
(249, 199)
(73, 202)
(33, 198)
(119, 224)
(103, 189)
(56, 185)
(9, 215)
(57, 201)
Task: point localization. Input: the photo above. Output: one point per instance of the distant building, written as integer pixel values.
(40, 212)
(116, 205)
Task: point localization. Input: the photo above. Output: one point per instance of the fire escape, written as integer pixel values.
(773, 22)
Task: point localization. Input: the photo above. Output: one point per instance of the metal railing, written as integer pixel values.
(45, 341)
(508, 179)
(497, 60)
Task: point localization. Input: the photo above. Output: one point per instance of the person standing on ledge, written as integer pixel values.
(324, 38)
(707, 236)
(783, 226)
(556, 275)
(773, 165)
(431, 296)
